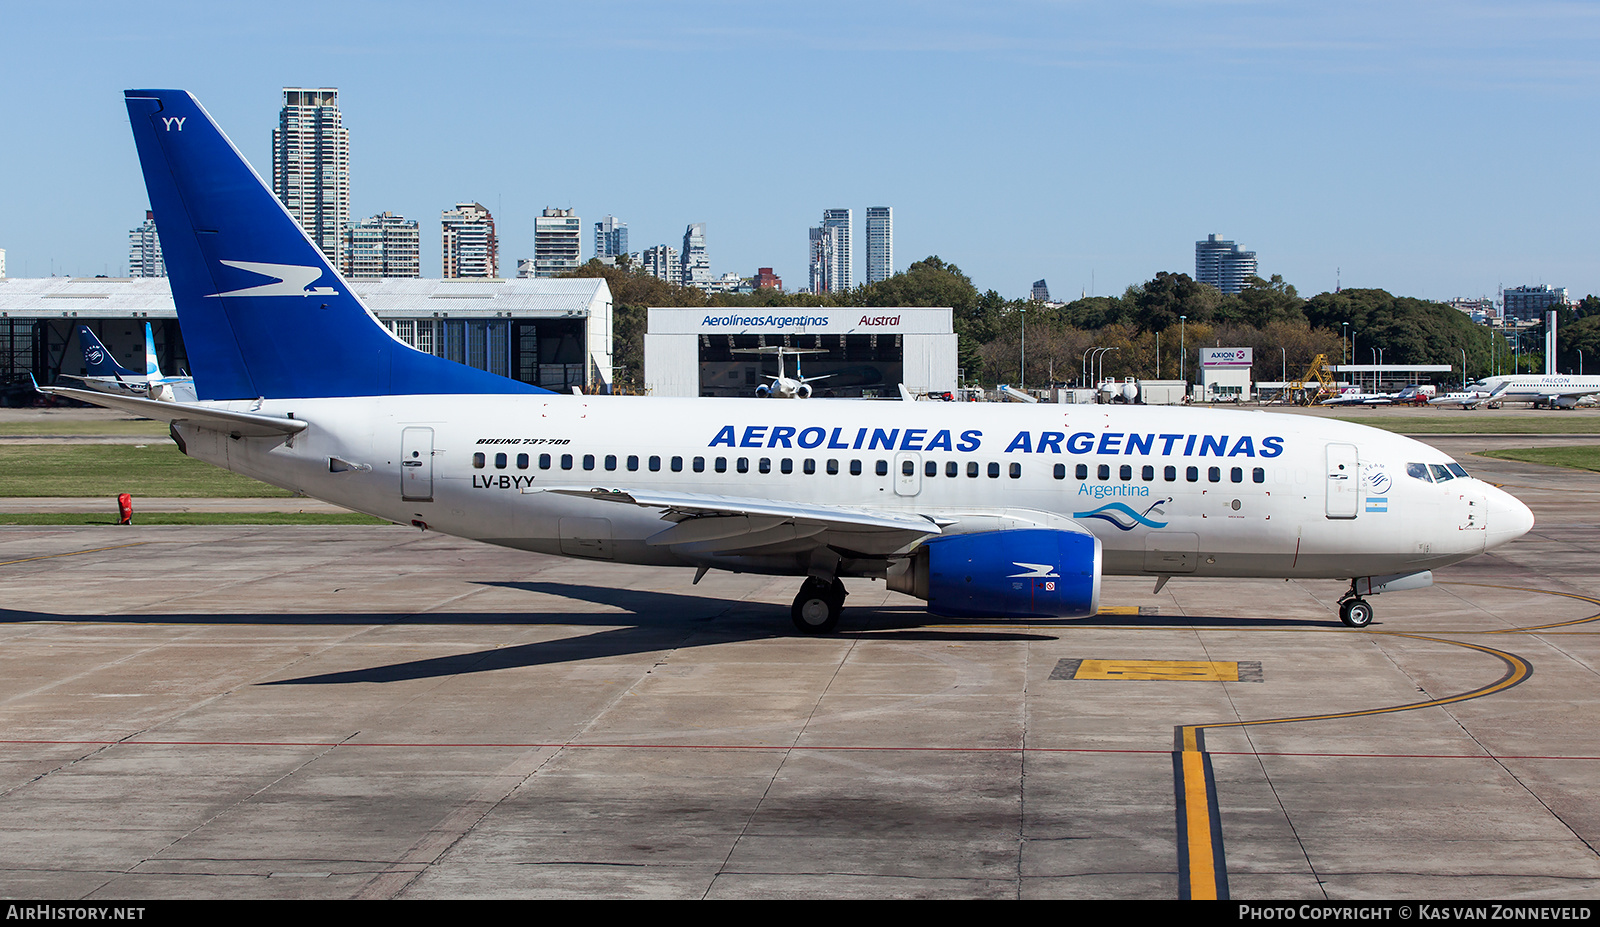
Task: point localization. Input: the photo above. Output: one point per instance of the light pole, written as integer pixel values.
(1344, 340)
(1183, 351)
(1283, 378)
(1022, 378)
(1083, 368)
(1102, 359)
(1464, 368)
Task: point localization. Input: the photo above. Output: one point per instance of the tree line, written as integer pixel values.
(1156, 327)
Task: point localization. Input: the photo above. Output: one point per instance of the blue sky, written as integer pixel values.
(1432, 149)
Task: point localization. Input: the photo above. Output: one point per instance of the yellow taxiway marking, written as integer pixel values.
(1169, 670)
(1200, 840)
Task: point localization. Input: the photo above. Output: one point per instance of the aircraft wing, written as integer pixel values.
(248, 424)
(734, 524)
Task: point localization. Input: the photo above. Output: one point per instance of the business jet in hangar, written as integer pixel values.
(991, 511)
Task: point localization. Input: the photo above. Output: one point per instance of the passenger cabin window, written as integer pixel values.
(478, 461)
(994, 470)
(522, 461)
(588, 461)
(500, 461)
(544, 461)
(1016, 471)
(611, 461)
(855, 468)
(1061, 471)
(883, 468)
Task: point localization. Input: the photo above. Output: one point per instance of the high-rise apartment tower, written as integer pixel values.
(470, 246)
(880, 243)
(385, 245)
(144, 250)
(696, 265)
(610, 238)
(1222, 264)
(557, 242)
(311, 165)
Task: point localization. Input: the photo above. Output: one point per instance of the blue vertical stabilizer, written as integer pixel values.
(263, 313)
(97, 361)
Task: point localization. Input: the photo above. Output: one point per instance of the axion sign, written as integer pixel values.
(1226, 357)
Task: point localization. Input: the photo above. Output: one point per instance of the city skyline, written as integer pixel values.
(1366, 152)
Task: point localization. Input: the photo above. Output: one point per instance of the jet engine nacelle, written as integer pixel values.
(763, 392)
(1023, 573)
(804, 392)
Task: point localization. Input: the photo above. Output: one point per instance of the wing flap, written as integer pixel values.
(733, 523)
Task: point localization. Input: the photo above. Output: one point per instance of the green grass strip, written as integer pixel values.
(93, 428)
(1451, 422)
(156, 469)
(1576, 458)
(194, 518)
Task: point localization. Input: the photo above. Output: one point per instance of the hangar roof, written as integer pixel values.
(150, 297)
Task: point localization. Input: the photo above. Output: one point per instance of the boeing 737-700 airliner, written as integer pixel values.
(989, 511)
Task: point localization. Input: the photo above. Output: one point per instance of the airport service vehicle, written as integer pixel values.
(105, 375)
(992, 511)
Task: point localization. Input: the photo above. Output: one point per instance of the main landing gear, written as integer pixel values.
(816, 609)
(1355, 611)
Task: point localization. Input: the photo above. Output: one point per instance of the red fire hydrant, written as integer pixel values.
(125, 508)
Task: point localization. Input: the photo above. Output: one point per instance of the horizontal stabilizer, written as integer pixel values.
(244, 424)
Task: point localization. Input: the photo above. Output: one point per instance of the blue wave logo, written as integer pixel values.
(1124, 518)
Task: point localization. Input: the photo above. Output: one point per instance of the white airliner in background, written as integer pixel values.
(104, 374)
(784, 386)
(1549, 390)
(992, 511)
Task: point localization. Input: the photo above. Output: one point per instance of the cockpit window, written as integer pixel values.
(1419, 471)
(1441, 473)
(1458, 470)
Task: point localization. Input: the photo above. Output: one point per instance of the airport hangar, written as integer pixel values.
(554, 333)
(860, 352)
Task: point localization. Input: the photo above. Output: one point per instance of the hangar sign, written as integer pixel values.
(1226, 357)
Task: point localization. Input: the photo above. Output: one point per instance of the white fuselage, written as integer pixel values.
(1167, 491)
(1541, 389)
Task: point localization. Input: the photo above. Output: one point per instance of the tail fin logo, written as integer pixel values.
(287, 280)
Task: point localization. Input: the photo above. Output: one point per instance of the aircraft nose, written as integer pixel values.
(1508, 519)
